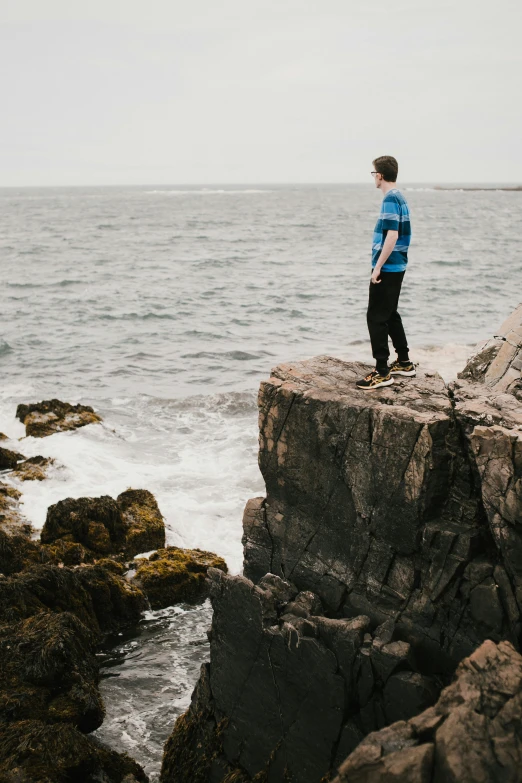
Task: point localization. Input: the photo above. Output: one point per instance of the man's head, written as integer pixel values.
(386, 169)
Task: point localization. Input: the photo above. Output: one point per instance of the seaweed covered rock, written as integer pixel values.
(33, 468)
(173, 575)
(104, 601)
(125, 527)
(280, 671)
(473, 732)
(18, 552)
(12, 521)
(96, 523)
(143, 522)
(49, 671)
(9, 459)
(50, 416)
(31, 750)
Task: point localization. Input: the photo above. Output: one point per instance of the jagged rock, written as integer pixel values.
(173, 575)
(498, 362)
(372, 503)
(3, 437)
(50, 416)
(126, 526)
(144, 524)
(473, 733)
(49, 672)
(274, 678)
(33, 468)
(104, 601)
(9, 459)
(35, 752)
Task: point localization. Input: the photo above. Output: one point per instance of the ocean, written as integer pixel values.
(163, 308)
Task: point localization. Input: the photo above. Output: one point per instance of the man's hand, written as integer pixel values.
(375, 276)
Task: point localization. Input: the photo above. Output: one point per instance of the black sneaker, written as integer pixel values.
(374, 380)
(403, 368)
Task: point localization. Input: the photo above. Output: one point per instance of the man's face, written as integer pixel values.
(377, 178)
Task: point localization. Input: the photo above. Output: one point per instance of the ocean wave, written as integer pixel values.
(241, 356)
(4, 347)
(205, 192)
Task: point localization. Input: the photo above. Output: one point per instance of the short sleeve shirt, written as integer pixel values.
(394, 216)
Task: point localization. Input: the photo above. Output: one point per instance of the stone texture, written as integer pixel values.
(277, 674)
(126, 526)
(473, 734)
(50, 416)
(373, 503)
(12, 521)
(173, 575)
(387, 549)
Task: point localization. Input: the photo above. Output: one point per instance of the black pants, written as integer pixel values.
(384, 320)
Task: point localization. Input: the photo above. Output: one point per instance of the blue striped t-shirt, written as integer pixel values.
(395, 216)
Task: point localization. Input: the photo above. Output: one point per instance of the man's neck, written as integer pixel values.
(387, 186)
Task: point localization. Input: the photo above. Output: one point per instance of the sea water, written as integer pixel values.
(163, 307)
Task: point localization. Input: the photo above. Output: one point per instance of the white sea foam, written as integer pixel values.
(197, 456)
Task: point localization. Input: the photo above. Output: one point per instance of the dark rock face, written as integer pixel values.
(373, 504)
(33, 468)
(50, 416)
(388, 548)
(128, 525)
(280, 670)
(473, 733)
(173, 575)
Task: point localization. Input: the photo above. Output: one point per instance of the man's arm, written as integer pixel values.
(387, 250)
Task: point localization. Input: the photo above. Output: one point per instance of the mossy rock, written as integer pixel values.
(33, 468)
(12, 521)
(96, 523)
(104, 601)
(34, 752)
(173, 575)
(49, 671)
(9, 459)
(50, 416)
(144, 525)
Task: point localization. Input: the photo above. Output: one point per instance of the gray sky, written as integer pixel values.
(217, 91)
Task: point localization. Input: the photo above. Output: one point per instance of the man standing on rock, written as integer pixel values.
(391, 240)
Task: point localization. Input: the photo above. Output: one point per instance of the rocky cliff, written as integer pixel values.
(387, 549)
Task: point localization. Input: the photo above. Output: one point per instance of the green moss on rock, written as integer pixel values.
(34, 752)
(96, 523)
(144, 525)
(49, 671)
(173, 575)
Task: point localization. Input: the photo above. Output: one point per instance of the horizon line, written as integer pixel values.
(432, 183)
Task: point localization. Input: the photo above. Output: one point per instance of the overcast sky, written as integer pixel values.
(250, 91)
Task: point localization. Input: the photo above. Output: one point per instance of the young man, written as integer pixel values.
(391, 240)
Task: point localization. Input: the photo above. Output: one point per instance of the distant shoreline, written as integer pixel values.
(516, 188)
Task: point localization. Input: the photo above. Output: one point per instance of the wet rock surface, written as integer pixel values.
(9, 459)
(33, 468)
(279, 669)
(472, 733)
(388, 549)
(126, 526)
(172, 575)
(50, 416)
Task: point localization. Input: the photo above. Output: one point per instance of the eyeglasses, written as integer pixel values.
(373, 172)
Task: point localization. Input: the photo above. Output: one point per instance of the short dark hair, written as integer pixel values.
(387, 167)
